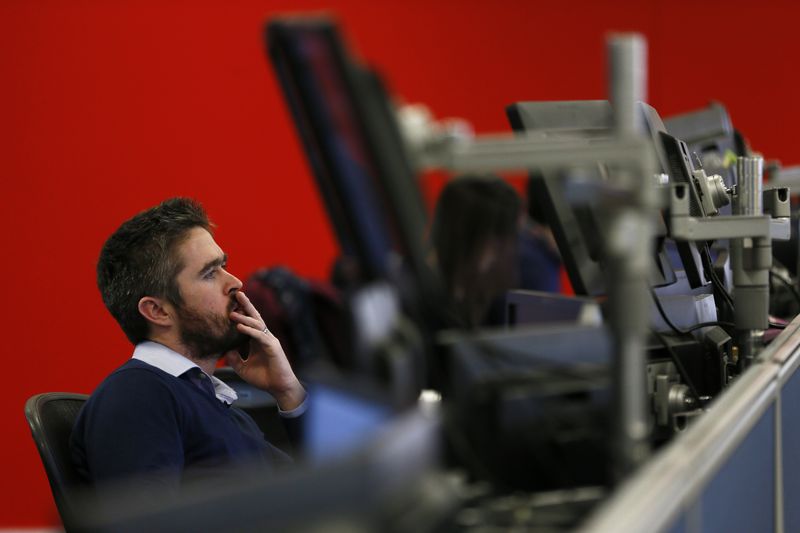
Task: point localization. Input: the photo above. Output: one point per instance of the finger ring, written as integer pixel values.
(265, 329)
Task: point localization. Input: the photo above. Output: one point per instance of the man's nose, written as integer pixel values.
(235, 283)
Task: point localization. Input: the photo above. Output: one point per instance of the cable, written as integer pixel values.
(720, 323)
(720, 287)
(663, 313)
(787, 283)
(674, 356)
(705, 255)
(675, 359)
(674, 328)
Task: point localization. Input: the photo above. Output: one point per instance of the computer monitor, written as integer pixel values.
(579, 226)
(355, 149)
(530, 408)
(370, 191)
(709, 133)
(679, 166)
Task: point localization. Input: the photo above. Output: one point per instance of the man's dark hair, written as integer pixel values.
(140, 259)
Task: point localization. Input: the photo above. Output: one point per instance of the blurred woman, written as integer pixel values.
(474, 238)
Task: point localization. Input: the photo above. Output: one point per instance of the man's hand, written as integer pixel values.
(266, 366)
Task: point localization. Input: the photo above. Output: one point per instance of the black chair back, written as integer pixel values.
(51, 416)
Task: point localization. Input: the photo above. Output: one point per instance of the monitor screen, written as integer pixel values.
(359, 160)
(339, 420)
(353, 144)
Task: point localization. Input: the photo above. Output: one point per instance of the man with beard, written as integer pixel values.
(162, 417)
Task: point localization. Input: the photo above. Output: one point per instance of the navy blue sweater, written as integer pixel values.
(142, 421)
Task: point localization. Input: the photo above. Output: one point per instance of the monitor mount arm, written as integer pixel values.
(760, 215)
(630, 201)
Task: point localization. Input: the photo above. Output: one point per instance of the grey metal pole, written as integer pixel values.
(627, 80)
(630, 241)
(751, 259)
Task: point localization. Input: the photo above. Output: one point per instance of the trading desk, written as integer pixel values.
(735, 469)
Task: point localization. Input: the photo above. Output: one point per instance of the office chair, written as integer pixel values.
(51, 416)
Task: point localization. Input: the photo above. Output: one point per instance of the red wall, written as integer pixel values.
(108, 107)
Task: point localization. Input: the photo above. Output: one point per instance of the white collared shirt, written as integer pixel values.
(175, 364)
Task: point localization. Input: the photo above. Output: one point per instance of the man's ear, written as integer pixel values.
(156, 311)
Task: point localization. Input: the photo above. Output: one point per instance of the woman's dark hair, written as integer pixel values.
(140, 259)
(475, 216)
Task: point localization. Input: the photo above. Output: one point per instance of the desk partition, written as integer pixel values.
(734, 470)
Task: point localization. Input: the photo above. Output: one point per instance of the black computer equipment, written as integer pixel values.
(353, 143)
(577, 223)
(351, 138)
(709, 133)
(530, 408)
(680, 169)
(682, 271)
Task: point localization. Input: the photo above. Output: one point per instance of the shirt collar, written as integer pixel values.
(175, 364)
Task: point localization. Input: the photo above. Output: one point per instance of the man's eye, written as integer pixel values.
(209, 274)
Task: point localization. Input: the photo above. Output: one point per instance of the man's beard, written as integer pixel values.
(208, 336)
